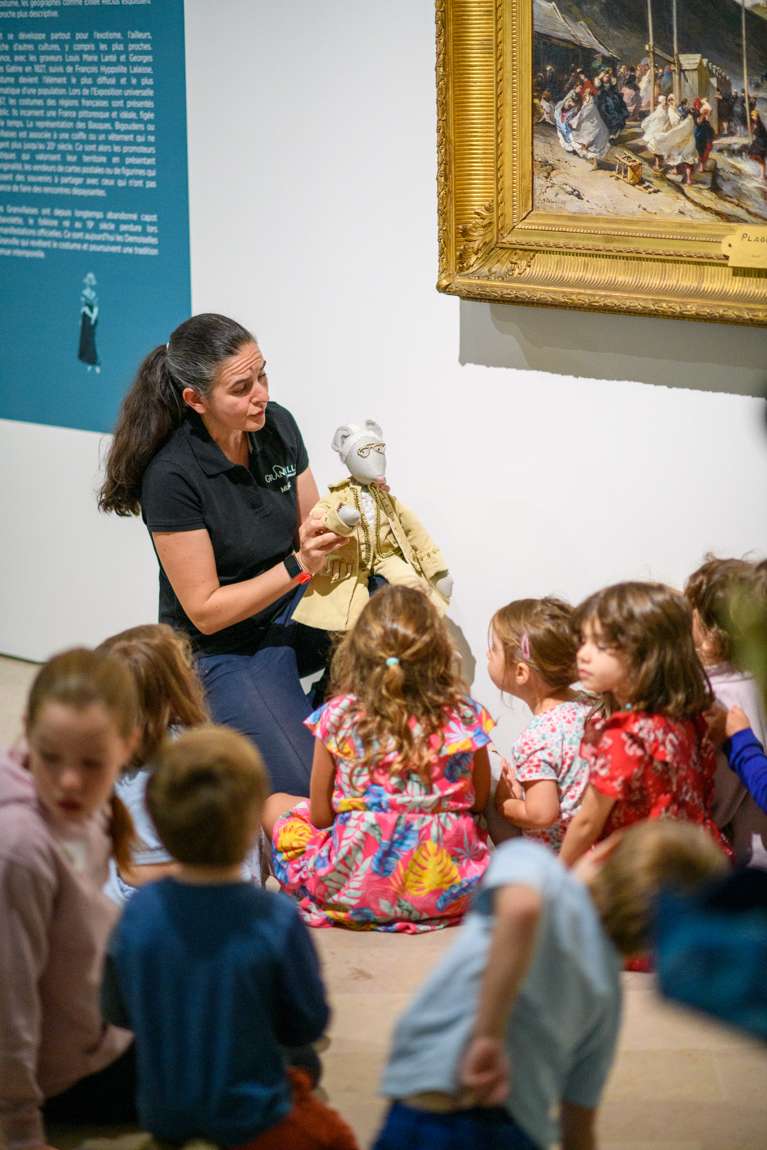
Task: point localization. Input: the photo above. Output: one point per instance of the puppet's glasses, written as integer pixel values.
(364, 452)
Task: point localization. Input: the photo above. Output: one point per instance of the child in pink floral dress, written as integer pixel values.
(389, 838)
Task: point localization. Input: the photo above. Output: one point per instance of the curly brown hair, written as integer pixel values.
(399, 663)
(547, 626)
(712, 591)
(650, 624)
(169, 692)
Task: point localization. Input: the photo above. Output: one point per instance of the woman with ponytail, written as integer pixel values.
(390, 837)
(221, 477)
(59, 824)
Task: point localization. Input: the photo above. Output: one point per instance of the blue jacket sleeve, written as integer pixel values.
(301, 1011)
(746, 757)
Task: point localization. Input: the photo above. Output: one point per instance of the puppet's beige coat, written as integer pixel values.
(404, 553)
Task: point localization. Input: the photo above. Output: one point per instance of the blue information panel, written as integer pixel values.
(94, 212)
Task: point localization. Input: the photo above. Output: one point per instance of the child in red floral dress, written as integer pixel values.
(647, 747)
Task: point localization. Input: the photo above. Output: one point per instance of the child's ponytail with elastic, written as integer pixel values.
(400, 664)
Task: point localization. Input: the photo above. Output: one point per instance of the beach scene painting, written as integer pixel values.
(651, 108)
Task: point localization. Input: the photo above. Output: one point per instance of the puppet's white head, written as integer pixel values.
(362, 450)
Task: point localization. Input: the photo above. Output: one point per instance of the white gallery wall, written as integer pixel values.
(547, 451)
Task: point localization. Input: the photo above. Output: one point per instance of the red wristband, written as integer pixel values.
(294, 569)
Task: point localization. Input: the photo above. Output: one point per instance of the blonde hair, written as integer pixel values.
(80, 678)
(539, 632)
(651, 626)
(712, 591)
(400, 665)
(205, 794)
(159, 660)
(650, 855)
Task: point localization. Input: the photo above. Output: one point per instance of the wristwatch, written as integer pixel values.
(294, 569)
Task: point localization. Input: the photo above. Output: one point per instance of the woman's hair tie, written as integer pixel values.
(392, 661)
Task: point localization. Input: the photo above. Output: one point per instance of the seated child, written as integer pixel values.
(532, 656)
(648, 751)
(170, 696)
(510, 1040)
(712, 591)
(389, 839)
(214, 976)
(59, 823)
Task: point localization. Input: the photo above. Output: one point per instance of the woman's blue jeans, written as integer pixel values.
(260, 694)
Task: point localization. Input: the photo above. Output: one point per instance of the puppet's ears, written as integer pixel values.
(342, 435)
(350, 431)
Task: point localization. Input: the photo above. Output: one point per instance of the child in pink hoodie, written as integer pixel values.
(59, 823)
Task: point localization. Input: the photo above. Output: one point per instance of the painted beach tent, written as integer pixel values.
(589, 40)
(549, 23)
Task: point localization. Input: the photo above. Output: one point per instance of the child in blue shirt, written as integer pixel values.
(510, 1040)
(216, 977)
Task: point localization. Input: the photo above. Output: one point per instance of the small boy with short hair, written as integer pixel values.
(713, 592)
(510, 1040)
(216, 977)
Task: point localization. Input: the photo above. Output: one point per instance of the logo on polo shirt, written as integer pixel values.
(280, 472)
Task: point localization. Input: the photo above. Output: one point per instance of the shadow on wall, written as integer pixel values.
(669, 353)
(461, 644)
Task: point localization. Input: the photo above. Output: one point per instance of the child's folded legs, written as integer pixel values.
(310, 1125)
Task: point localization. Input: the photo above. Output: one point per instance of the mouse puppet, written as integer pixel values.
(383, 538)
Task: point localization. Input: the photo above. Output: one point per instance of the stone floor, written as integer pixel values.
(678, 1083)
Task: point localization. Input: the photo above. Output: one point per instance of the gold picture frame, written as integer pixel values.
(494, 245)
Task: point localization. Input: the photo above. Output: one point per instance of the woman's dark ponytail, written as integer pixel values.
(153, 408)
(150, 412)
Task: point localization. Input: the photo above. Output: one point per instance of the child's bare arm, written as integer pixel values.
(736, 720)
(586, 825)
(481, 777)
(578, 1132)
(484, 1073)
(142, 873)
(507, 787)
(321, 786)
(538, 809)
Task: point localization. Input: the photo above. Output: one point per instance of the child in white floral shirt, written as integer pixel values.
(532, 656)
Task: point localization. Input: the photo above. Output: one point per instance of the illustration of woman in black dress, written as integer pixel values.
(89, 316)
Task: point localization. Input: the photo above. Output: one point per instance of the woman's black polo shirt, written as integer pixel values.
(250, 513)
